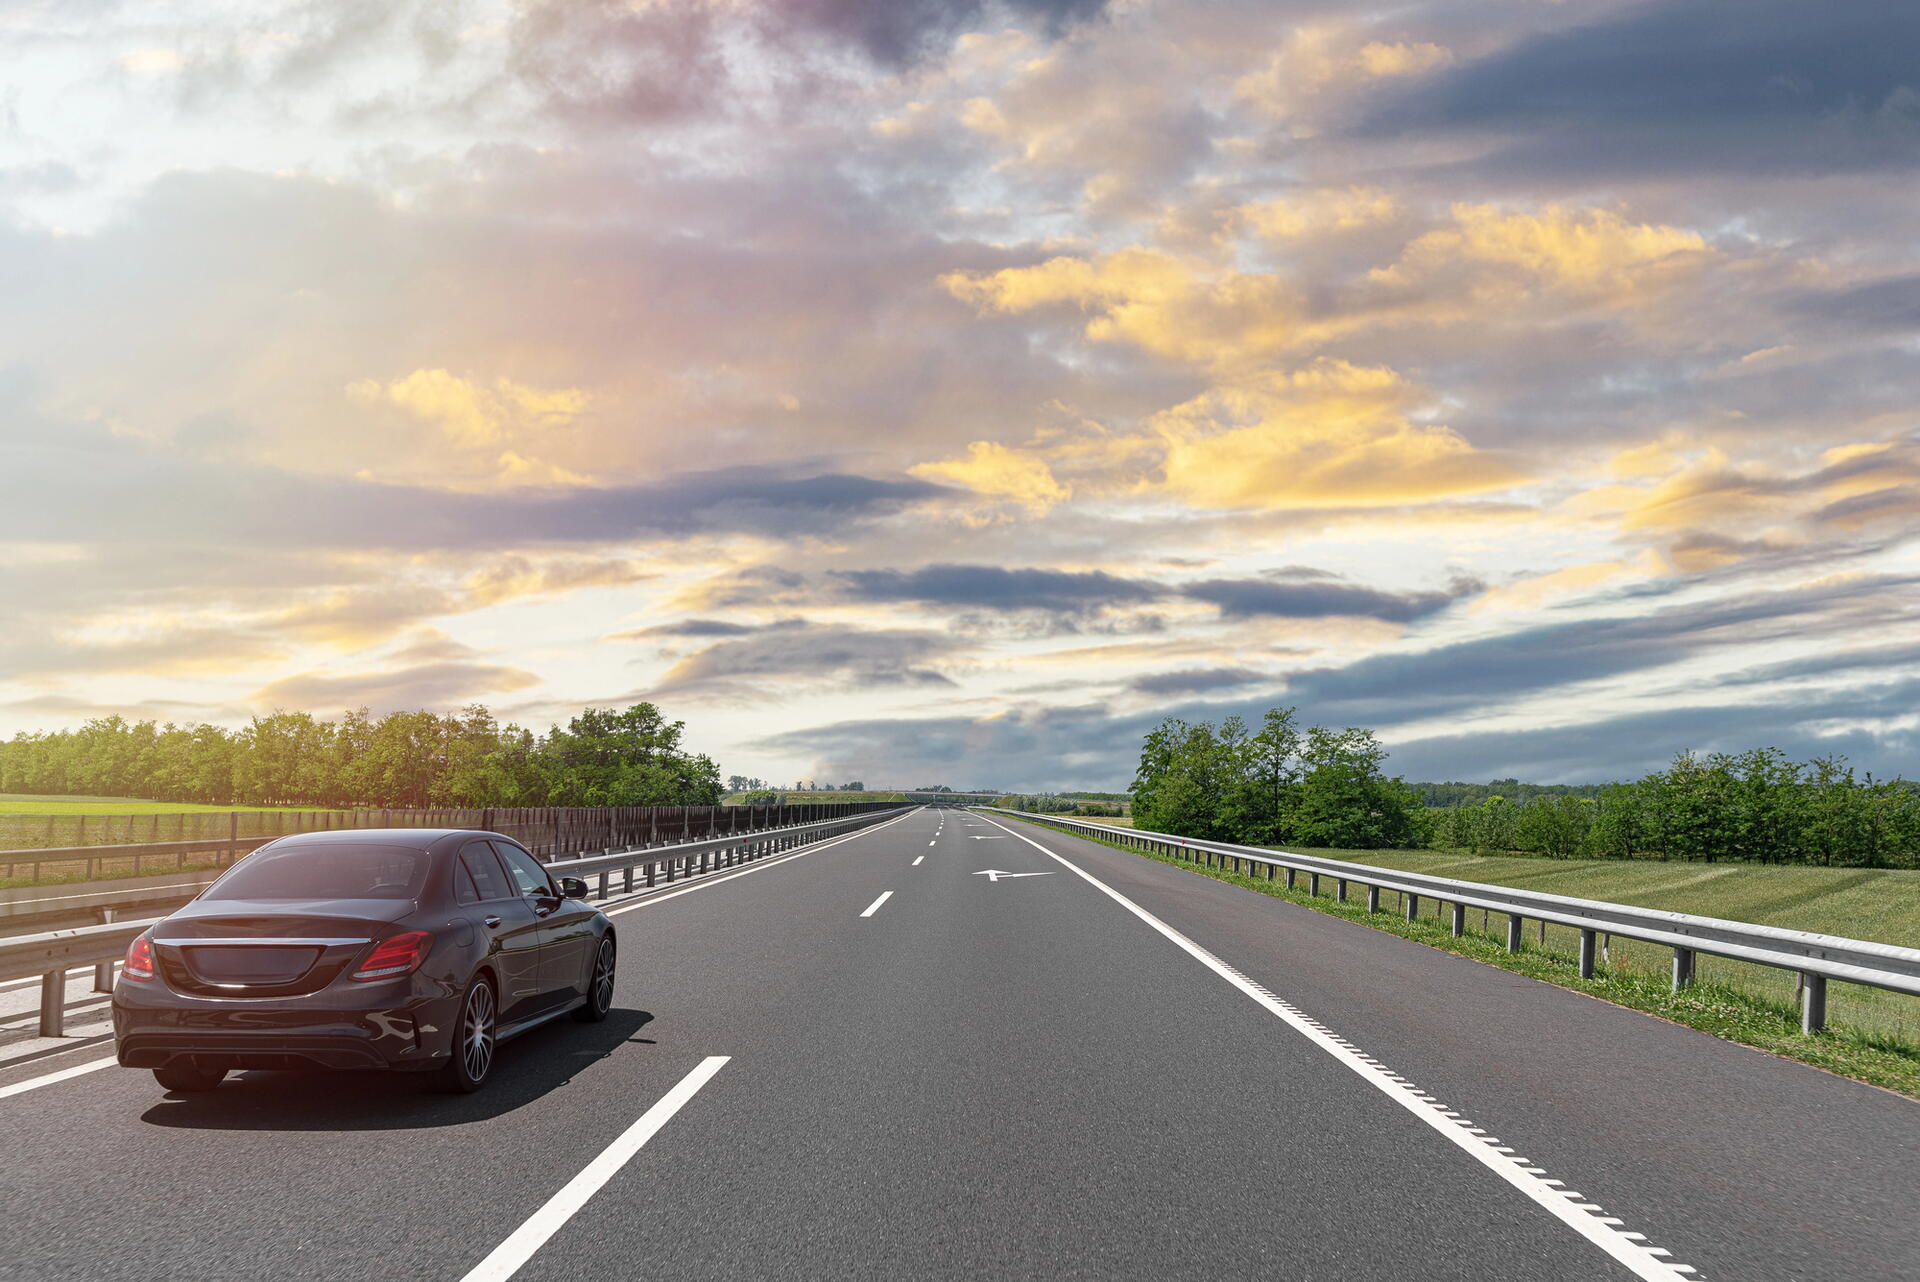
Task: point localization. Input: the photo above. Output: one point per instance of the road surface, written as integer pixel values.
(954, 1047)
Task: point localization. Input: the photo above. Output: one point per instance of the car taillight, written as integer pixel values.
(139, 963)
(400, 955)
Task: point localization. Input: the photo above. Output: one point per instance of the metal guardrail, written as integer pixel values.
(1816, 958)
(51, 954)
(228, 848)
(74, 903)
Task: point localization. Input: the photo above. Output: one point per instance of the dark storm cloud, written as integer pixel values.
(610, 60)
(1752, 86)
(71, 487)
(1390, 689)
(1877, 307)
(1264, 598)
(898, 32)
(692, 628)
(762, 666)
(1298, 592)
(1197, 681)
(988, 587)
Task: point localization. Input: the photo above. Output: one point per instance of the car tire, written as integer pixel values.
(600, 986)
(188, 1077)
(475, 1039)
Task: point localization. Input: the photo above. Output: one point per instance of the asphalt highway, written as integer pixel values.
(954, 1047)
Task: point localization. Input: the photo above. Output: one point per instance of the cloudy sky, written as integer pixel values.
(920, 390)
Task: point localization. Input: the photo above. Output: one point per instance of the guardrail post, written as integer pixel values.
(603, 883)
(1813, 1003)
(1269, 867)
(53, 1003)
(1313, 884)
(1459, 920)
(1588, 939)
(1340, 890)
(1682, 968)
(1373, 899)
(1291, 874)
(652, 869)
(103, 971)
(1413, 907)
(1513, 932)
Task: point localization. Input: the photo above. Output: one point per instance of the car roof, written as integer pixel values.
(412, 838)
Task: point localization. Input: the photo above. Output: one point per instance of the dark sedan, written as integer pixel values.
(394, 948)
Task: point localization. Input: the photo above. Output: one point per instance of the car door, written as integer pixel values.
(571, 934)
(517, 930)
(559, 946)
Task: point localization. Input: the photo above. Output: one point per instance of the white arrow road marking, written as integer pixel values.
(994, 874)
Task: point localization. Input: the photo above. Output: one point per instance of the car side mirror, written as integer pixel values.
(573, 888)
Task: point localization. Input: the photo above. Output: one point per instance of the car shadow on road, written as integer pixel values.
(528, 1069)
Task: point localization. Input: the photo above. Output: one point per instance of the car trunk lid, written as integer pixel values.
(240, 949)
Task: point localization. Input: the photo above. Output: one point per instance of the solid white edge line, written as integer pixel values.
(763, 865)
(505, 1260)
(874, 907)
(1583, 1217)
(35, 1083)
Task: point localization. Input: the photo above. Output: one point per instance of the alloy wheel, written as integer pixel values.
(476, 1032)
(603, 976)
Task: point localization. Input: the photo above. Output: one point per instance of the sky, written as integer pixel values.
(926, 391)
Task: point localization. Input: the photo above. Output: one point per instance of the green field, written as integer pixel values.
(25, 804)
(1862, 903)
(817, 798)
(1858, 903)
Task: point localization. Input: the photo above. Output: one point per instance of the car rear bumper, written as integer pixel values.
(243, 1036)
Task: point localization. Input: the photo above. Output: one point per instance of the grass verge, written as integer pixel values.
(1717, 1009)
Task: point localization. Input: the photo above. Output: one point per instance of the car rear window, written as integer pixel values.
(325, 871)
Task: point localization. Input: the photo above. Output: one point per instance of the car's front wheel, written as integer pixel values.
(475, 1039)
(186, 1076)
(600, 987)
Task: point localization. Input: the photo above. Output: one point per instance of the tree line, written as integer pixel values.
(601, 757)
(1278, 785)
(1064, 803)
(1755, 805)
(1282, 785)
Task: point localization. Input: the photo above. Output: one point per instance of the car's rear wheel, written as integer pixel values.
(475, 1039)
(600, 987)
(185, 1075)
